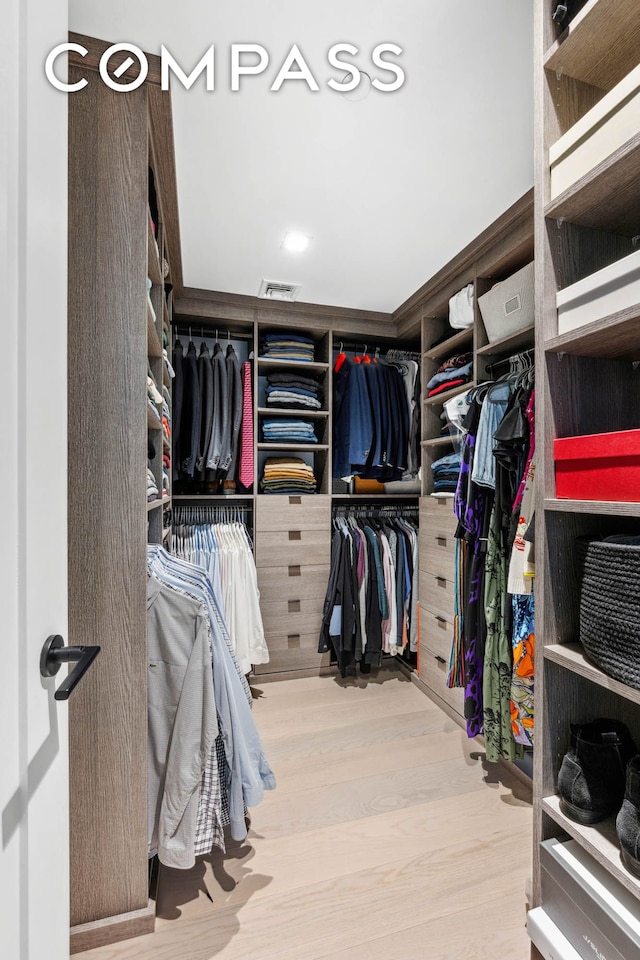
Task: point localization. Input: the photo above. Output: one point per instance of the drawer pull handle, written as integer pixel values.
(441, 622)
(293, 641)
(295, 571)
(294, 606)
(439, 659)
(295, 535)
(442, 541)
(441, 582)
(293, 500)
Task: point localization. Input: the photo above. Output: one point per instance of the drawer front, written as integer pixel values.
(293, 582)
(436, 634)
(293, 547)
(282, 618)
(283, 659)
(293, 513)
(437, 517)
(434, 675)
(437, 595)
(437, 555)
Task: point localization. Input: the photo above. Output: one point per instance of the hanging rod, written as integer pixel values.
(508, 360)
(210, 331)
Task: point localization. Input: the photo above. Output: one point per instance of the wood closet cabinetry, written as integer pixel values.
(587, 384)
(114, 338)
(503, 248)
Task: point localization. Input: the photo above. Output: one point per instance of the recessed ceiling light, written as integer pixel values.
(295, 242)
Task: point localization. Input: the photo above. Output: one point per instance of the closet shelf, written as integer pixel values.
(271, 363)
(375, 496)
(616, 337)
(308, 447)
(599, 840)
(610, 508)
(438, 442)
(450, 346)
(441, 398)
(153, 420)
(571, 657)
(153, 259)
(210, 497)
(280, 412)
(154, 347)
(606, 197)
(157, 503)
(511, 344)
(583, 51)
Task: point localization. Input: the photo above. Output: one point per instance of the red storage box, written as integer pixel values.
(600, 466)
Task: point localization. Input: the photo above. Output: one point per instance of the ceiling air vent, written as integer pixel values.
(276, 290)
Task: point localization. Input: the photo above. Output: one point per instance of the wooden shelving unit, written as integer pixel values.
(507, 345)
(575, 372)
(451, 345)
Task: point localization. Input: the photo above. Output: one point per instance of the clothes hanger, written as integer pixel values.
(340, 359)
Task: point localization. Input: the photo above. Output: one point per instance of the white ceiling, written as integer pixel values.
(390, 187)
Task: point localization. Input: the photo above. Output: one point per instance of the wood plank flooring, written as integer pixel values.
(388, 837)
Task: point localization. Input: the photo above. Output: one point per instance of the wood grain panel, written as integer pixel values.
(283, 618)
(108, 239)
(437, 555)
(276, 549)
(438, 522)
(301, 582)
(433, 673)
(436, 634)
(293, 513)
(436, 595)
(161, 126)
(286, 659)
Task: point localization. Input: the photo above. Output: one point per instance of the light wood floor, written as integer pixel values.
(388, 837)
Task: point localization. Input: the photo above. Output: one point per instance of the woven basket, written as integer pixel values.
(610, 607)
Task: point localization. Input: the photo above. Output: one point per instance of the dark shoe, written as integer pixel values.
(591, 781)
(628, 820)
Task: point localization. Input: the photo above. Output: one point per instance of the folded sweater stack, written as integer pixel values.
(288, 431)
(293, 389)
(287, 346)
(446, 471)
(287, 475)
(454, 372)
(152, 486)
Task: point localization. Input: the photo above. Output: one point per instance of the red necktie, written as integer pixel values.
(246, 449)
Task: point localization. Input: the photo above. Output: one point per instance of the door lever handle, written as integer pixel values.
(54, 654)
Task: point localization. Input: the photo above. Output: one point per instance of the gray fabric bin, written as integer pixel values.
(509, 305)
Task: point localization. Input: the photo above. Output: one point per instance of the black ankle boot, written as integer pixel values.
(592, 776)
(628, 820)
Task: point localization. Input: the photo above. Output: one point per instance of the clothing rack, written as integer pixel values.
(212, 513)
(209, 331)
(519, 361)
(395, 354)
(378, 511)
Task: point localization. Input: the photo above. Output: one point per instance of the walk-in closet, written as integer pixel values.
(351, 483)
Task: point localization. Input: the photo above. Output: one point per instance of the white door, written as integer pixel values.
(34, 822)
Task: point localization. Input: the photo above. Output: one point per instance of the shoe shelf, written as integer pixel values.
(609, 508)
(584, 50)
(572, 657)
(598, 839)
(616, 337)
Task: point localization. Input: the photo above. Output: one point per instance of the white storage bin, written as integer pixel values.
(509, 306)
(607, 291)
(604, 129)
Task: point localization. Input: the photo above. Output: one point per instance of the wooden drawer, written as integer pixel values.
(288, 659)
(437, 595)
(433, 673)
(281, 618)
(437, 555)
(293, 547)
(437, 517)
(293, 513)
(293, 582)
(436, 633)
